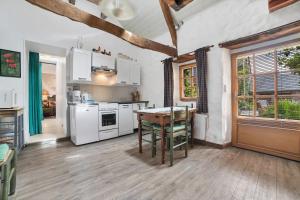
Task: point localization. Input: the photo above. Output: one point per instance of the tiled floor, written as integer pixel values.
(51, 131)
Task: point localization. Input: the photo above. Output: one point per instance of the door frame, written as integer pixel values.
(265, 126)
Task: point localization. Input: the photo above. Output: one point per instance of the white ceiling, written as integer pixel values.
(150, 21)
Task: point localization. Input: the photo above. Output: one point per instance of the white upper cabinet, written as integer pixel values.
(135, 74)
(128, 72)
(103, 61)
(123, 71)
(80, 63)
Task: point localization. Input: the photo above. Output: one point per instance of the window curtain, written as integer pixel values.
(35, 94)
(201, 60)
(168, 82)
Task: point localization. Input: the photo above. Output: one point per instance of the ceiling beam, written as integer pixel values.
(70, 11)
(169, 20)
(278, 4)
(272, 34)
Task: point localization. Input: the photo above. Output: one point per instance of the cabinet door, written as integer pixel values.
(81, 65)
(135, 74)
(125, 119)
(123, 73)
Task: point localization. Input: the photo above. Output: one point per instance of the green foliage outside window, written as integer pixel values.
(287, 109)
(189, 82)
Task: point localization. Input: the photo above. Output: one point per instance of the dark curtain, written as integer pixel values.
(201, 59)
(168, 82)
(35, 94)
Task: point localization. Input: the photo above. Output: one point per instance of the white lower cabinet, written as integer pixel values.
(137, 106)
(107, 134)
(125, 119)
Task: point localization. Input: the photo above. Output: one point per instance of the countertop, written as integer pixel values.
(119, 102)
(128, 102)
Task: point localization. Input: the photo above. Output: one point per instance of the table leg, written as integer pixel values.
(140, 134)
(192, 130)
(163, 143)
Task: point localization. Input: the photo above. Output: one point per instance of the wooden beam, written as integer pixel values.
(271, 34)
(169, 20)
(278, 4)
(68, 10)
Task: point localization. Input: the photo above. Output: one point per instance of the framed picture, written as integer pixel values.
(10, 63)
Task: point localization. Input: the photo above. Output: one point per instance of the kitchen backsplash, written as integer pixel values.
(108, 93)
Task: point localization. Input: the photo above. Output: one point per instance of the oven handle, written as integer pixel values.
(112, 112)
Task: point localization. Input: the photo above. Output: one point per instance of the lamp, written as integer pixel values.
(121, 9)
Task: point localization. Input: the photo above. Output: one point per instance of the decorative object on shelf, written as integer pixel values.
(10, 63)
(97, 50)
(120, 9)
(135, 96)
(108, 53)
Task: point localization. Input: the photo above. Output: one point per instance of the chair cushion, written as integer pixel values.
(176, 127)
(146, 123)
(4, 148)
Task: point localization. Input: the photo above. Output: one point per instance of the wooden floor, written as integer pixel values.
(115, 170)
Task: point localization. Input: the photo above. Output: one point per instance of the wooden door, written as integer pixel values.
(266, 101)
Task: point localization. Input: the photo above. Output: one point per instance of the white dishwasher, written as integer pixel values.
(125, 119)
(84, 123)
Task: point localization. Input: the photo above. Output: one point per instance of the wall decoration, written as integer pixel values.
(10, 63)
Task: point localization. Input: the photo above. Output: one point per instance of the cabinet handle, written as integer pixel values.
(123, 82)
(135, 83)
(82, 78)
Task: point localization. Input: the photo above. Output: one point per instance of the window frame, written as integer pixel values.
(252, 53)
(181, 81)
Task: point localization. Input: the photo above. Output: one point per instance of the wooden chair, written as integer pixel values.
(148, 130)
(8, 175)
(177, 132)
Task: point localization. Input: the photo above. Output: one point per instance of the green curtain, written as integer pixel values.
(35, 94)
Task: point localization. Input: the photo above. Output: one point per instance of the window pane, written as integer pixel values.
(245, 86)
(289, 58)
(288, 82)
(265, 107)
(187, 73)
(265, 84)
(187, 89)
(245, 66)
(245, 106)
(265, 63)
(194, 72)
(289, 107)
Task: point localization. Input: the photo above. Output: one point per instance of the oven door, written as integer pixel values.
(108, 120)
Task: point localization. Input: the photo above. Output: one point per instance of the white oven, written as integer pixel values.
(108, 116)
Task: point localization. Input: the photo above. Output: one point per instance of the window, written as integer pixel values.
(188, 82)
(269, 83)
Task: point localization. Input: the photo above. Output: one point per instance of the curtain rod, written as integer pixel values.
(192, 52)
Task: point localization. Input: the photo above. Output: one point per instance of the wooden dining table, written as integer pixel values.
(161, 116)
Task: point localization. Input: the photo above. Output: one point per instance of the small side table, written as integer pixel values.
(12, 131)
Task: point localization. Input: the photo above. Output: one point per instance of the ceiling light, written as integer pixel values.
(121, 9)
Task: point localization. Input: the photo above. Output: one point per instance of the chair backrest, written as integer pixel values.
(181, 116)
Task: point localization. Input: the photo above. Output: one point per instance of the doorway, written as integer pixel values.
(266, 100)
(52, 89)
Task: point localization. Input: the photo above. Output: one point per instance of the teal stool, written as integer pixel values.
(8, 171)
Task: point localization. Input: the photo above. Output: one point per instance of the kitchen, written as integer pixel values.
(160, 99)
(92, 120)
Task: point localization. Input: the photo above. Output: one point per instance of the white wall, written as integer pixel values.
(223, 21)
(30, 23)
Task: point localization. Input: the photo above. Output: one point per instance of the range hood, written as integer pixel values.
(104, 69)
